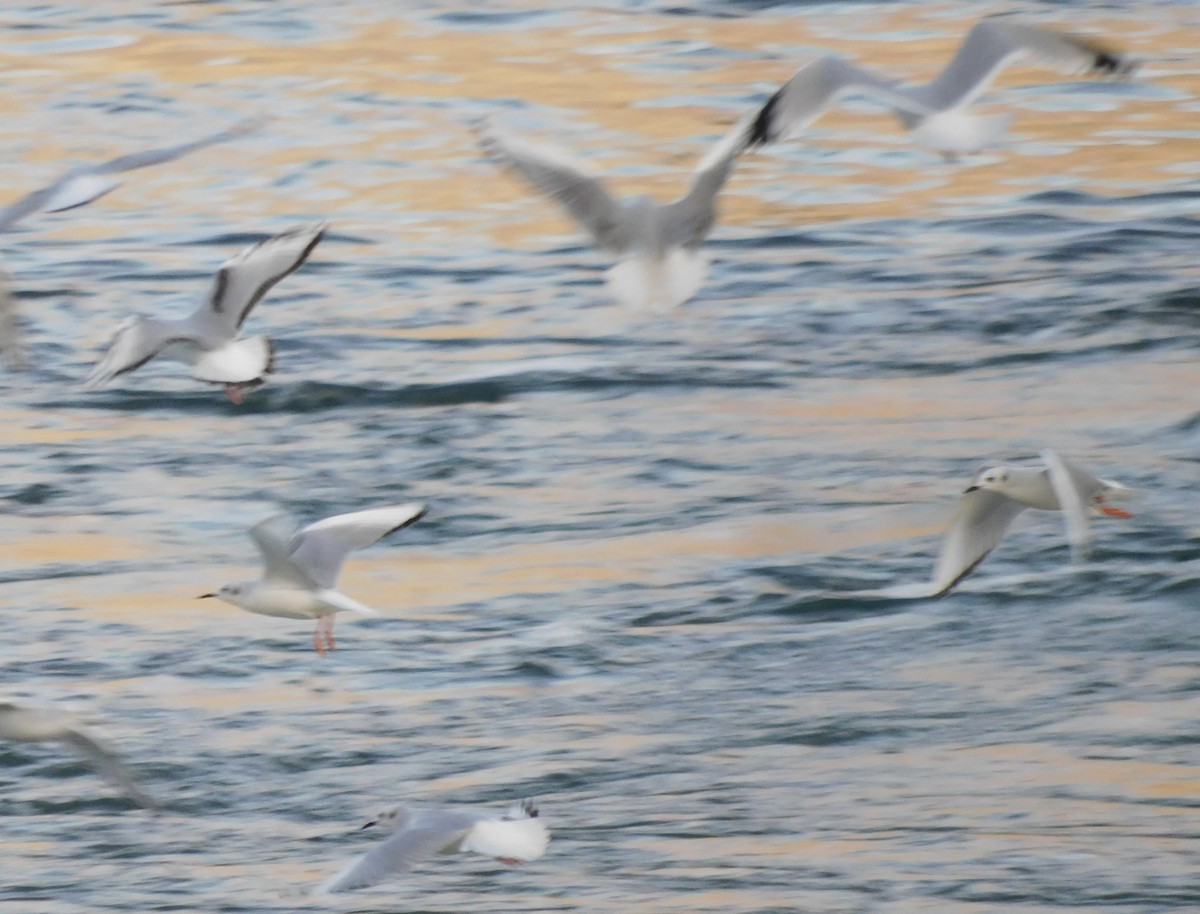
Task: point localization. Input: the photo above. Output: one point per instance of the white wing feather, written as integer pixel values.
(243, 280)
(320, 548)
(978, 527)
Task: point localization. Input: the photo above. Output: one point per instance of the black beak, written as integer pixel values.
(368, 825)
(969, 489)
(205, 596)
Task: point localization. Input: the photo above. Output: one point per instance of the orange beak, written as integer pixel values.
(1114, 512)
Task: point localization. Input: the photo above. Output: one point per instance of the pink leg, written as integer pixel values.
(323, 636)
(509, 861)
(235, 394)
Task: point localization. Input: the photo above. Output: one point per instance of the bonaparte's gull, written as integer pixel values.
(300, 568)
(656, 245)
(77, 187)
(29, 722)
(516, 837)
(935, 112)
(998, 494)
(208, 339)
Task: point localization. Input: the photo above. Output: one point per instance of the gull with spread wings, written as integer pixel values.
(656, 245)
(301, 567)
(209, 338)
(936, 112)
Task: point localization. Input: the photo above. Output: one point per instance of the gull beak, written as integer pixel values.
(969, 489)
(368, 825)
(205, 596)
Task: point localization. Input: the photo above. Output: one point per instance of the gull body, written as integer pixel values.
(998, 494)
(301, 567)
(655, 245)
(29, 722)
(76, 188)
(518, 836)
(208, 340)
(936, 112)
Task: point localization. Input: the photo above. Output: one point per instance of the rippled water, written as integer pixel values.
(643, 592)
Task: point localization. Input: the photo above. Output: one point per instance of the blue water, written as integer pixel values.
(652, 588)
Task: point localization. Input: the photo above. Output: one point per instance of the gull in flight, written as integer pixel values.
(27, 722)
(656, 245)
(516, 837)
(76, 188)
(936, 112)
(209, 339)
(998, 494)
(300, 568)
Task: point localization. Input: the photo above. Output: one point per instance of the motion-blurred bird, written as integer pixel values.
(300, 569)
(656, 245)
(998, 494)
(936, 112)
(76, 188)
(516, 837)
(209, 338)
(30, 722)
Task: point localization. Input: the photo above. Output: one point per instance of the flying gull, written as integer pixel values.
(936, 112)
(209, 338)
(516, 837)
(28, 722)
(656, 245)
(998, 494)
(76, 188)
(300, 569)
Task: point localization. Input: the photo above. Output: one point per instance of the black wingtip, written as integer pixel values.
(760, 130)
(1112, 63)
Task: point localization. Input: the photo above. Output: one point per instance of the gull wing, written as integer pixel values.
(243, 280)
(1074, 488)
(689, 219)
(90, 182)
(319, 549)
(11, 349)
(110, 766)
(993, 43)
(134, 343)
(272, 536)
(557, 175)
(431, 832)
(814, 88)
(979, 525)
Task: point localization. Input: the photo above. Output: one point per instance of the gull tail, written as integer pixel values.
(244, 362)
(645, 282)
(345, 603)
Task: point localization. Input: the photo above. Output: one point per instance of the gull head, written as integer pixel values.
(395, 817)
(230, 593)
(993, 479)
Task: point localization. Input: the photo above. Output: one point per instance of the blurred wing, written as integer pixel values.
(10, 328)
(271, 536)
(554, 173)
(691, 218)
(514, 839)
(434, 832)
(978, 527)
(1073, 487)
(244, 280)
(105, 761)
(320, 548)
(90, 182)
(816, 86)
(134, 343)
(993, 43)
(167, 153)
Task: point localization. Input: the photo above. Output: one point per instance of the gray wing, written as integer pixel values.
(90, 182)
(1074, 487)
(978, 527)
(243, 281)
(993, 43)
(319, 549)
(816, 86)
(689, 219)
(433, 831)
(110, 766)
(272, 537)
(135, 342)
(552, 172)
